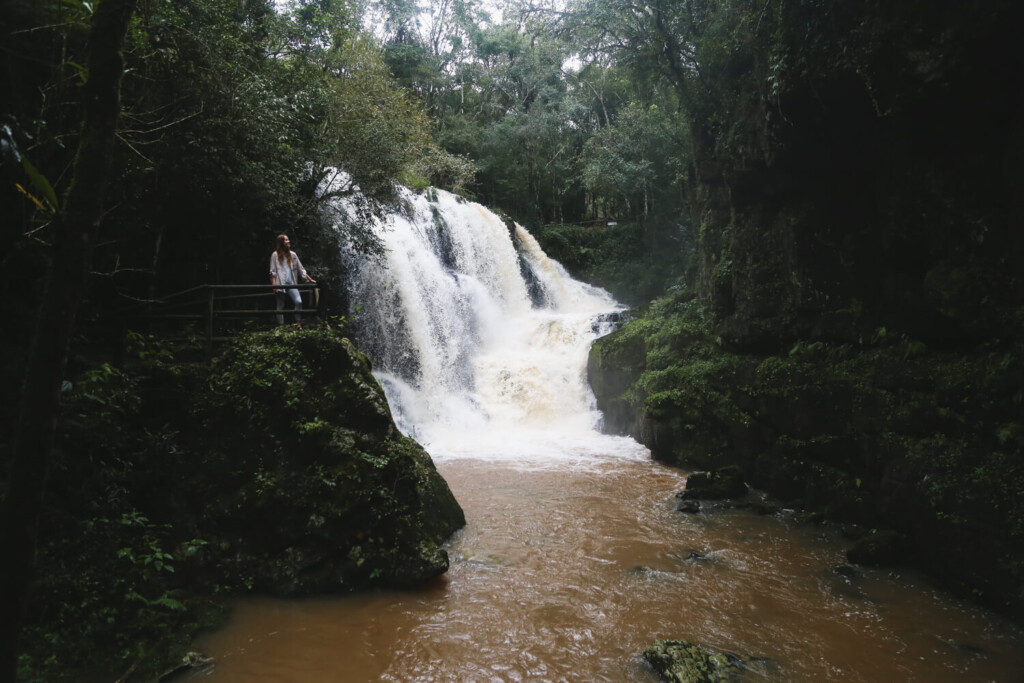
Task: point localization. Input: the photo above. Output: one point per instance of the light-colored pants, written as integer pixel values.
(282, 297)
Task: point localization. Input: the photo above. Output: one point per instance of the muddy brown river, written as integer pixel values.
(566, 573)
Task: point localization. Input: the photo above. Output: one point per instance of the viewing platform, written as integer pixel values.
(206, 314)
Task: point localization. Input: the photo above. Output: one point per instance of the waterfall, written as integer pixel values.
(479, 339)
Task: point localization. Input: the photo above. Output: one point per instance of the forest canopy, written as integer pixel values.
(835, 179)
(234, 111)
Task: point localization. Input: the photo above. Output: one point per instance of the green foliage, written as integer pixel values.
(96, 592)
(377, 130)
(434, 167)
(634, 261)
(637, 159)
(233, 114)
(175, 484)
(502, 96)
(108, 596)
(685, 381)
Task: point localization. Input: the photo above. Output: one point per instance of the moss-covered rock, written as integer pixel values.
(316, 489)
(679, 661)
(277, 470)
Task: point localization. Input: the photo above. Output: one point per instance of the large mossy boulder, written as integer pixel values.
(276, 470)
(305, 485)
(685, 412)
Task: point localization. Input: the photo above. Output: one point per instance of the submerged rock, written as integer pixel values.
(845, 580)
(846, 571)
(679, 661)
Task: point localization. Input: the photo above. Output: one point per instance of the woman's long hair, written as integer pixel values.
(283, 253)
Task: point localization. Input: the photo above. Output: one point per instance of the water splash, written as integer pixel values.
(479, 339)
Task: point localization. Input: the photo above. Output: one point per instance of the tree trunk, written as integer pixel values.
(74, 234)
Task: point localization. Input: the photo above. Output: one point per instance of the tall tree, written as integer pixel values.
(76, 229)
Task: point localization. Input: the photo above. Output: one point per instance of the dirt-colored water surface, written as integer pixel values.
(567, 572)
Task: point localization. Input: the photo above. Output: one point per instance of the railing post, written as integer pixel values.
(210, 294)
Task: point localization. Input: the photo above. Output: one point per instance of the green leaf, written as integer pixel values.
(40, 183)
(170, 603)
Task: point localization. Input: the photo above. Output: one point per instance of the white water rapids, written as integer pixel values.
(479, 339)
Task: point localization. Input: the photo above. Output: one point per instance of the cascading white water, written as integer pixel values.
(479, 339)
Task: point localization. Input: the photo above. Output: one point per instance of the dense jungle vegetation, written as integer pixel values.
(821, 198)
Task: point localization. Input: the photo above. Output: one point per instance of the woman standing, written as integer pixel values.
(286, 269)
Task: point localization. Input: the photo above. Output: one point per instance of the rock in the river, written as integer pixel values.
(764, 507)
(689, 506)
(726, 482)
(679, 661)
(304, 482)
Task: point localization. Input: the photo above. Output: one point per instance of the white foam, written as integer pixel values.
(472, 368)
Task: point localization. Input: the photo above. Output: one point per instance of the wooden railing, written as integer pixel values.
(211, 305)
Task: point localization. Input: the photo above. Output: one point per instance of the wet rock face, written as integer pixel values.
(721, 484)
(309, 487)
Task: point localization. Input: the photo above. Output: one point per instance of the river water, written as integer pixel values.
(574, 559)
(567, 573)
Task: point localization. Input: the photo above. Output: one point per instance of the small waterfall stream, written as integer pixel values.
(574, 558)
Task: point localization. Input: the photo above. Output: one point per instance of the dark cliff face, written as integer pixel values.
(853, 338)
